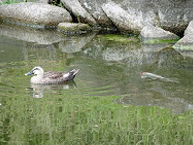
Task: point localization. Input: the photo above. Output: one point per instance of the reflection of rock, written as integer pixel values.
(36, 51)
(75, 44)
(31, 35)
(38, 90)
(153, 53)
(8, 53)
(134, 53)
(112, 51)
(186, 54)
(154, 98)
(133, 56)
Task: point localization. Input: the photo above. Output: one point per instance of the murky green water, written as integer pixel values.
(88, 110)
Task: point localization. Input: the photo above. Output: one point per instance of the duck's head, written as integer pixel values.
(36, 70)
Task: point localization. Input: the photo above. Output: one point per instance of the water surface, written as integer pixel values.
(110, 67)
(109, 64)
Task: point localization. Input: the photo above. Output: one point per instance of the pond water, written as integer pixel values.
(110, 67)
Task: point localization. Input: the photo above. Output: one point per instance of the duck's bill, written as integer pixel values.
(29, 73)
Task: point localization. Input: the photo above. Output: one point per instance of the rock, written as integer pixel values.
(189, 29)
(185, 43)
(94, 8)
(171, 15)
(34, 14)
(120, 18)
(79, 12)
(74, 28)
(151, 32)
(128, 15)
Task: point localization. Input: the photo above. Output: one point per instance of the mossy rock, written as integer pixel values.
(74, 28)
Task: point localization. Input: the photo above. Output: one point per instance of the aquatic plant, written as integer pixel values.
(10, 2)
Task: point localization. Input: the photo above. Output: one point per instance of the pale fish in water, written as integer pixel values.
(152, 76)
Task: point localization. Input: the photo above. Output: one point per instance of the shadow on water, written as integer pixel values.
(109, 65)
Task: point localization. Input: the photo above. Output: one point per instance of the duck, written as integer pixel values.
(51, 77)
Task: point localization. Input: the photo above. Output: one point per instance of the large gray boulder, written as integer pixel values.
(95, 9)
(151, 32)
(79, 12)
(186, 42)
(121, 19)
(189, 29)
(34, 14)
(171, 15)
(126, 15)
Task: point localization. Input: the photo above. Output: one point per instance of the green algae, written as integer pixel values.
(160, 41)
(120, 38)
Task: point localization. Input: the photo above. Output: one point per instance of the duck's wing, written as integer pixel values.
(58, 77)
(53, 74)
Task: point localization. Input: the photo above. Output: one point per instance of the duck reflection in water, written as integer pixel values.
(37, 90)
(50, 80)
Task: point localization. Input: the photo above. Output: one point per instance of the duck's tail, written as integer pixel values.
(74, 72)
